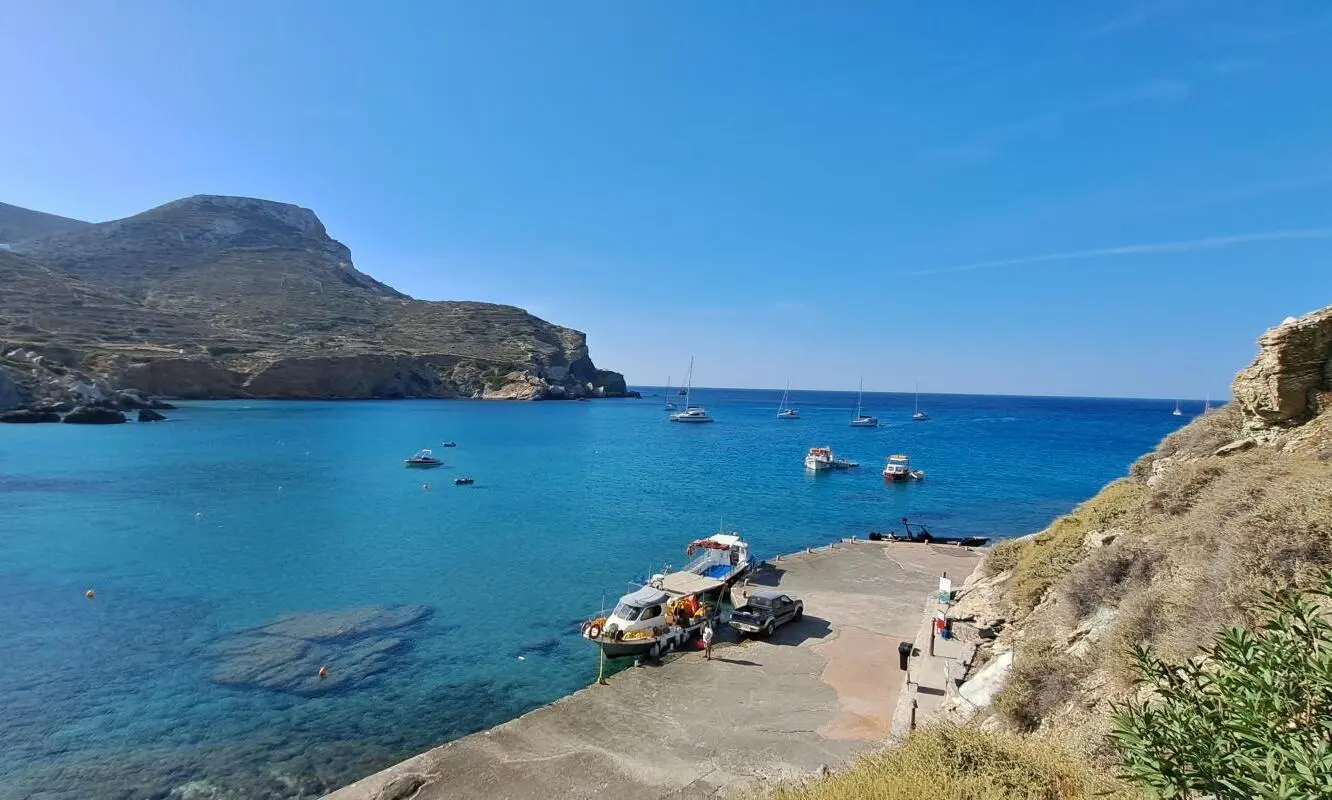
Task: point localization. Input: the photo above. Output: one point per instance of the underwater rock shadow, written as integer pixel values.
(316, 653)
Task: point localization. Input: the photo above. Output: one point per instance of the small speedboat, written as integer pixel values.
(899, 468)
(423, 460)
(450, 444)
(463, 481)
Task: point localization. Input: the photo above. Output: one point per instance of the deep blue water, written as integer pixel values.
(234, 513)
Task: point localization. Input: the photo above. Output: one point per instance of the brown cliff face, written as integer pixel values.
(217, 297)
(1288, 381)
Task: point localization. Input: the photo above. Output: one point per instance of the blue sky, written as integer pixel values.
(1101, 198)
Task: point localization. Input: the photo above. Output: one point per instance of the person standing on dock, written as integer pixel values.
(707, 640)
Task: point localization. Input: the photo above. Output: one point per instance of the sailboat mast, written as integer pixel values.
(860, 392)
(689, 383)
(917, 397)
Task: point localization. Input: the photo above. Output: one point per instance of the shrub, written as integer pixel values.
(1205, 434)
(1251, 717)
(1106, 576)
(1042, 680)
(962, 764)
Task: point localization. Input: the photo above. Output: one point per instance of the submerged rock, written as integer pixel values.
(287, 655)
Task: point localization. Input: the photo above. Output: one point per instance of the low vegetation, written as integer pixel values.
(1042, 560)
(1250, 717)
(963, 764)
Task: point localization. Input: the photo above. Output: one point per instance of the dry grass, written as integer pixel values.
(1043, 680)
(1047, 557)
(1002, 557)
(963, 764)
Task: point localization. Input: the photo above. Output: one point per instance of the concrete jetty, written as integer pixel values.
(815, 694)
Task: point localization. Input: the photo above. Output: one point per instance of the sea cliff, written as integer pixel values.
(230, 297)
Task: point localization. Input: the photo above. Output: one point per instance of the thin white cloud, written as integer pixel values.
(1155, 248)
(1051, 124)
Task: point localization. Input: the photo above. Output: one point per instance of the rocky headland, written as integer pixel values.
(1235, 503)
(214, 297)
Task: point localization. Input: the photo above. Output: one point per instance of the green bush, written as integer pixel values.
(1250, 718)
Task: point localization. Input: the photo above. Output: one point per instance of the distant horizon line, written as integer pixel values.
(1219, 400)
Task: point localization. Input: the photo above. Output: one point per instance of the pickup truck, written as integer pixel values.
(765, 610)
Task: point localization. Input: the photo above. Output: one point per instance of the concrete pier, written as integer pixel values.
(815, 694)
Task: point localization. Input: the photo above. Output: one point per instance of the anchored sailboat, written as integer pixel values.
(669, 405)
(783, 412)
(919, 416)
(691, 413)
(1177, 412)
(861, 420)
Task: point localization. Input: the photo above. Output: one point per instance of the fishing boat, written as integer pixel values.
(862, 420)
(821, 459)
(919, 416)
(423, 460)
(922, 535)
(898, 468)
(784, 412)
(1177, 412)
(670, 609)
(691, 413)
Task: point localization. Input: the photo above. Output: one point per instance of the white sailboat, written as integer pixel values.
(670, 406)
(1207, 405)
(919, 416)
(1177, 412)
(861, 420)
(691, 413)
(783, 412)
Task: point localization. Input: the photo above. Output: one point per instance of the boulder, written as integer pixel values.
(12, 392)
(29, 415)
(149, 415)
(93, 415)
(1294, 365)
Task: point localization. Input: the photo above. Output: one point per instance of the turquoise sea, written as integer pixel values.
(233, 514)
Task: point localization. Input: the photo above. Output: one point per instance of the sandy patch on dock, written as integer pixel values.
(862, 669)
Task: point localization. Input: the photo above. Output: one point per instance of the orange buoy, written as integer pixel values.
(323, 673)
(90, 594)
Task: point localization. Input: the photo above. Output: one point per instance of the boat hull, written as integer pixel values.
(423, 464)
(694, 420)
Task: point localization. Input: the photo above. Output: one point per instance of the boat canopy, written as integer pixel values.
(898, 457)
(422, 454)
(647, 596)
(717, 541)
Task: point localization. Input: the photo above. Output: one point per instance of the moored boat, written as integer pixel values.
(672, 608)
(898, 468)
(861, 419)
(821, 459)
(783, 410)
(424, 459)
(692, 413)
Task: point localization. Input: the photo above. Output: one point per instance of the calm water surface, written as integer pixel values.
(235, 513)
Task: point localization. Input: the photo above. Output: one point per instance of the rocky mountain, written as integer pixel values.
(230, 297)
(1236, 503)
(18, 224)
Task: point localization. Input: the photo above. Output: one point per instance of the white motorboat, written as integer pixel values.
(783, 411)
(424, 459)
(899, 468)
(821, 459)
(691, 413)
(862, 420)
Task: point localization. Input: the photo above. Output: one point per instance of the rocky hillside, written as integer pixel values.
(18, 224)
(1236, 502)
(222, 297)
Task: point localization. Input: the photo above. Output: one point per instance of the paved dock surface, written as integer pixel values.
(813, 695)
